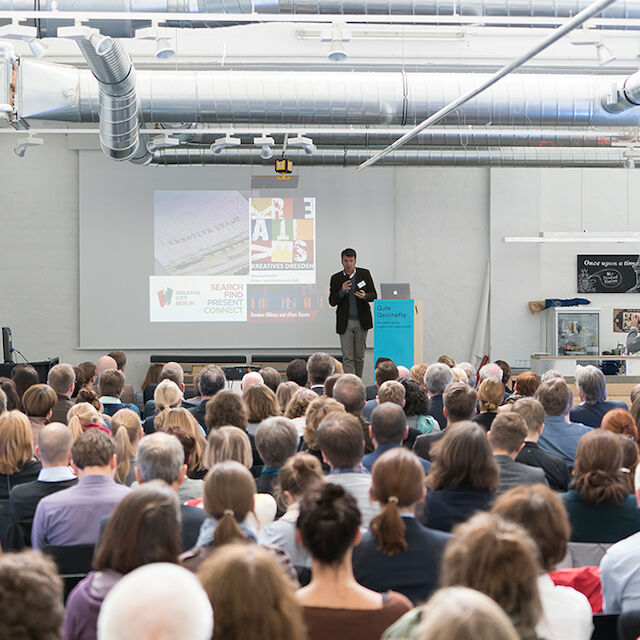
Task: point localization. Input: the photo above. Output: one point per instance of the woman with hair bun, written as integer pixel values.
(490, 396)
(398, 552)
(334, 604)
(598, 502)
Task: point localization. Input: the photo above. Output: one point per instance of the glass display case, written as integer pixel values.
(573, 332)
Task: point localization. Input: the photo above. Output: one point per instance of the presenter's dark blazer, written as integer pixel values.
(342, 302)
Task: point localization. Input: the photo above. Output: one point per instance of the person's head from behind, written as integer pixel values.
(463, 458)
(299, 403)
(388, 424)
(437, 378)
(126, 429)
(621, 422)
(591, 383)
(386, 370)
(229, 494)
(249, 378)
(54, 445)
(226, 408)
(319, 367)
(30, 597)
(8, 386)
(16, 441)
(237, 570)
(416, 400)
(158, 601)
(543, 515)
(94, 452)
(298, 474)
(82, 415)
(271, 377)
(276, 440)
(24, 376)
(556, 397)
(317, 410)
(470, 372)
(329, 523)
(228, 443)
(506, 371)
(166, 396)
(397, 483)
(105, 363)
(89, 396)
(261, 402)
(459, 402)
(417, 372)
(111, 383)
(491, 370)
(89, 370)
(211, 381)
(497, 558)
(507, 434)
(297, 372)
(120, 357)
(143, 528)
(460, 613)
(527, 384)
(174, 372)
(490, 394)
(62, 378)
(350, 391)
(38, 401)
(597, 469)
(533, 413)
(391, 391)
(284, 393)
(341, 440)
(160, 456)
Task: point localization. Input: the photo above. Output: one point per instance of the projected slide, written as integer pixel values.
(223, 256)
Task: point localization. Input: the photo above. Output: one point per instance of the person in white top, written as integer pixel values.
(566, 613)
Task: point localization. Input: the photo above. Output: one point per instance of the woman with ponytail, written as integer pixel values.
(598, 503)
(490, 396)
(398, 552)
(83, 416)
(334, 604)
(166, 396)
(126, 428)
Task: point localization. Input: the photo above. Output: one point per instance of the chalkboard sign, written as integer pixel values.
(609, 273)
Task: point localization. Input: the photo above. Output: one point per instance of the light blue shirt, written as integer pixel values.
(620, 576)
(561, 438)
(55, 474)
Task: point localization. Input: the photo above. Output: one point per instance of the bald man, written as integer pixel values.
(253, 377)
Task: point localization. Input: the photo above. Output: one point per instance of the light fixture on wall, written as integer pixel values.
(604, 54)
(265, 143)
(586, 37)
(23, 144)
(162, 142)
(227, 141)
(304, 142)
(338, 35)
(29, 35)
(165, 49)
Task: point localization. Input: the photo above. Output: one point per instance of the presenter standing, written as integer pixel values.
(351, 290)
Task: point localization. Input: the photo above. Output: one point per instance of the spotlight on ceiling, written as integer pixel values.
(304, 142)
(29, 35)
(265, 143)
(165, 50)
(38, 48)
(224, 143)
(604, 54)
(162, 142)
(24, 143)
(339, 36)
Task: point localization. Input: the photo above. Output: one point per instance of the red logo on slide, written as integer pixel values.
(165, 296)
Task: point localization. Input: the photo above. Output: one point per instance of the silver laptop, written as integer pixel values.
(395, 291)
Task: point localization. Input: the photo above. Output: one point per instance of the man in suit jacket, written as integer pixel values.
(212, 380)
(54, 450)
(506, 437)
(351, 290)
(62, 379)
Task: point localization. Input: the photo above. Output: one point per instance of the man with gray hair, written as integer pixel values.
(490, 370)
(158, 601)
(212, 380)
(470, 370)
(592, 387)
(277, 440)
(54, 450)
(62, 379)
(436, 379)
(320, 366)
(160, 456)
(350, 391)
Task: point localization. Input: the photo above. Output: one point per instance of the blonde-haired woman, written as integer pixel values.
(183, 418)
(167, 395)
(17, 463)
(83, 416)
(284, 393)
(490, 396)
(297, 408)
(126, 428)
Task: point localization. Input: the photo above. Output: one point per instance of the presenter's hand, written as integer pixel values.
(346, 285)
(360, 294)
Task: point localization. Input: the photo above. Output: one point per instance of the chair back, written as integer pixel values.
(74, 563)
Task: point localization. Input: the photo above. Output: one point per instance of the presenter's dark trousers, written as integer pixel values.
(352, 343)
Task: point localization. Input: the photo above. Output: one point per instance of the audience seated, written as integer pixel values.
(277, 440)
(399, 553)
(416, 407)
(104, 363)
(620, 421)
(385, 370)
(30, 597)
(470, 370)
(144, 528)
(566, 613)
(249, 378)
(17, 462)
(159, 601)
(182, 418)
(490, 370)
(436, 379)
(525, 386)
(459, 406)
(555, 468)
(62, 379)
(298, 474)
(506, 438)
(83, 416)
(80, 381)
(170, 371)
(320, 366)
(349, 391)
(334, 604)
(592, 387)
(560, 436)
(490, 396)
(128, 394)
(599, 506)
(297, 408)
(38, 402)
(329, 383)
(463, 479)
(316, 411)
(230, 578)
(297, 372)
(342, 445)
(89, 371)
(9, 388)
(211, 381)
(151, 379)
(261, 404)
(285, 392)
(110, 388)
(191, 487)
(72, 516)
(388, 430)
(459, 375)
(127, 431)
(271, 378)
(24, 376)
(54, 451)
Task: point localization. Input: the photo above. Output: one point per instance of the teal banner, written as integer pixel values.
(394, 331)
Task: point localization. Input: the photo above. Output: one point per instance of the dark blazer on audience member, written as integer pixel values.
(414, 572)
(198, 412)
(485, 420)
(449, 506)
(514, 474)
(422, 445)
(60, 409)
(28, 473)
(370, 458)
(592, 414)
(555, 468)
(371, 392)
(436, 410)
(25, 497)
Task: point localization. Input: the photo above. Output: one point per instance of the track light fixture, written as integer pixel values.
(165, 50)
(339, 35)
(304, 142)
(224, 143)
(24, 143)
(162, 142)
(29, 35)
(604, 54)
(265, 143)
